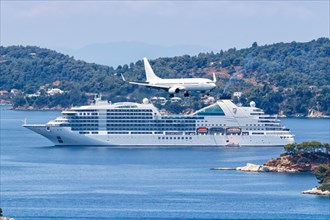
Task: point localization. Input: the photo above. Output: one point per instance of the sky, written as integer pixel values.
(213, 25)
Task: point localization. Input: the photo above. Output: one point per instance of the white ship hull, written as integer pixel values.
(62, 136)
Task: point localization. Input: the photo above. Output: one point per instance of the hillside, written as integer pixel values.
(286, 78)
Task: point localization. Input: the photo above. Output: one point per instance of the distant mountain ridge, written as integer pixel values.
(120, 53)
(282, 78)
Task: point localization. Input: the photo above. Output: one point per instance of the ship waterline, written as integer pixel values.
(133, 124)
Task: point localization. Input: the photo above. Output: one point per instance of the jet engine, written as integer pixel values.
(173, 90)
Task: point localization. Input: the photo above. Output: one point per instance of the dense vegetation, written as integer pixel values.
(289, 78)
(323, 175)
(312, 152)
(307, 147)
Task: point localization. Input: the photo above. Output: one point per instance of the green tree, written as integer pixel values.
(290, 148)
(323, 174)
(311, 146)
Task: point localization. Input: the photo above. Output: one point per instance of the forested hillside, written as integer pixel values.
(287, 78)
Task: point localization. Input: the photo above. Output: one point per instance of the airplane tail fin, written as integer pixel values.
(214, 78)
(151, 76)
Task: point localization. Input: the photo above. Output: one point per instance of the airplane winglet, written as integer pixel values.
(122, 76)
(214, 78)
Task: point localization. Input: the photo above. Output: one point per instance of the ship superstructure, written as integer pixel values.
(141, 124)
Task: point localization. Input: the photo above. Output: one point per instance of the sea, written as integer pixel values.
(42, 181)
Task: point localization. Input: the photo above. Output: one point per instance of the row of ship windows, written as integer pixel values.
(148, 127)
(257, 114)
(113, 117)
(129, 110)
(157, 121)
(161, 132)
(131, 117)
(89, 123)
(78, 117)
(167, 133)
(86, 132)
(87, 113)
(81, 121)
(84, 129)
(270, 125)
(151, 125)
(128, 113)
(133, 129)
(151, 129)
(174, 138)
(153, 121)
(131, 125)
(82, 125)
(211, 125)
(159, 138)
(182, 117)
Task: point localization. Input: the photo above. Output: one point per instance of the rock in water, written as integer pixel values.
(316, 191)
(250, 168)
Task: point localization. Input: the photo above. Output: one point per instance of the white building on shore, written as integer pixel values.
(54, 91)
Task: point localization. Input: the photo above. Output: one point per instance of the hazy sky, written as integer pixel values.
(213, 24)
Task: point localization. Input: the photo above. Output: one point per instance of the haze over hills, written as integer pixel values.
(282, 78)
(120, 53)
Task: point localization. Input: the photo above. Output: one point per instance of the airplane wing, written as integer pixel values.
(182, 88)
(150, 85)
(166, 88)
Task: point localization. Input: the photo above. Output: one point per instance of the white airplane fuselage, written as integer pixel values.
(186, 84)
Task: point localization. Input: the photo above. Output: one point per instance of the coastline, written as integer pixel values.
(261, 168)
(310, 156)
(40, 109)
(316, 191)
(57, 108)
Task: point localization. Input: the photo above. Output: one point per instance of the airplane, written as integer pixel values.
(173, 86)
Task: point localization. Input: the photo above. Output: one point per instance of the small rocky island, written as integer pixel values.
(304, 157)
(4, 218)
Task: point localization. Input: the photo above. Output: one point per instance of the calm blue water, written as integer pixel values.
(39, 181)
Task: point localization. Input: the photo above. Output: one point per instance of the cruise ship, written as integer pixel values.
(141, 124)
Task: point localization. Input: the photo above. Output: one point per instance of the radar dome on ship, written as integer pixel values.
(145, 101)
(252, 104)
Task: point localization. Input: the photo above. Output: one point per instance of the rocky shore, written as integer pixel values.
(291, 163)
(303, 162)
(316, 191)
(250, 167)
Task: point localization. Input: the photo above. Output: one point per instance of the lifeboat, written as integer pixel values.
(202, 130)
